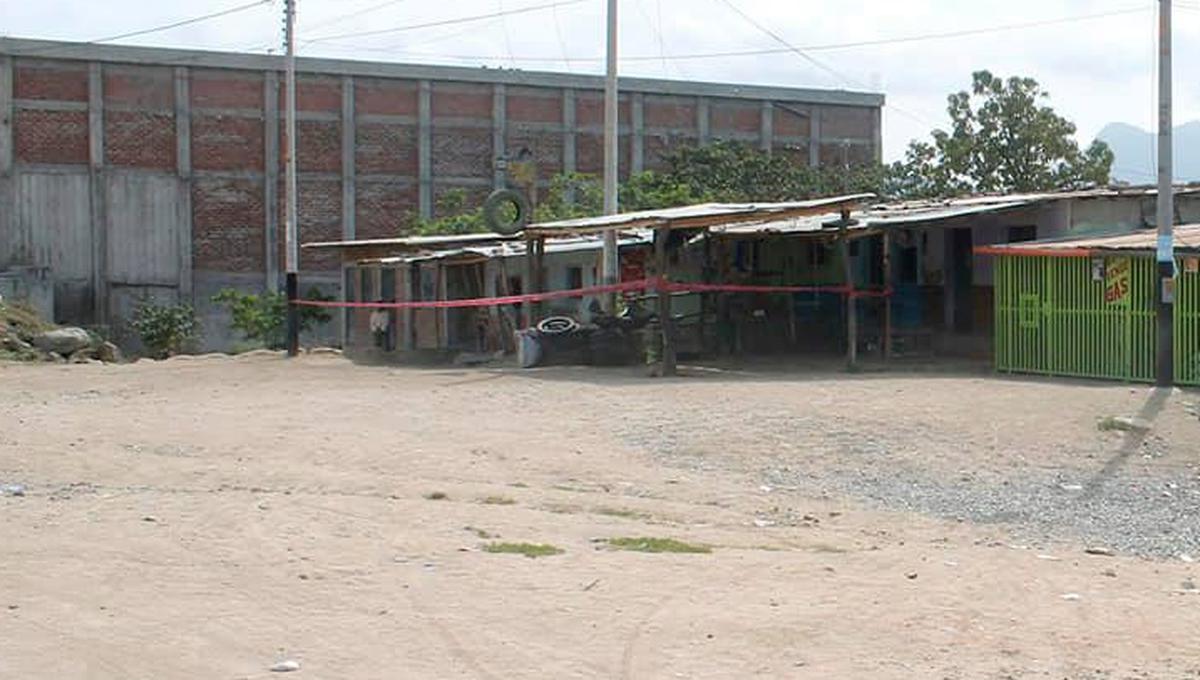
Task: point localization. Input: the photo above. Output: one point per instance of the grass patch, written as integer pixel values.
(436, 496)
(498, 500)
(656, 545)
(530, 550)
(481, 533)
(622, 513)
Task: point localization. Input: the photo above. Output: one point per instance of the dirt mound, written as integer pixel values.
(24, 336)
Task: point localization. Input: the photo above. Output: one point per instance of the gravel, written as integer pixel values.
(1126, 501)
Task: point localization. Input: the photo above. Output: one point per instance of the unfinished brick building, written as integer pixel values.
(128, 173)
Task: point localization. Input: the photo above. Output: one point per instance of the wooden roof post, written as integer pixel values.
(665, 321)
(530, 284)
(887, 294)
(851, 300)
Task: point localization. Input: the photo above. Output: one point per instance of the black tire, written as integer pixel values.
(557, 325)
(499, 199)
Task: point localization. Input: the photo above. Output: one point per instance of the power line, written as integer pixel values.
(354, 15)
(155, 29)
(562, 43)
(816, 62)
(446, 22)
(825, 47)
(504, 25)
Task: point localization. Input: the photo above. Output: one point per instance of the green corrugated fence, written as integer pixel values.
(1090, 317)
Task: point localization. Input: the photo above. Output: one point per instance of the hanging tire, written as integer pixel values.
(496, 220)
(557, 325)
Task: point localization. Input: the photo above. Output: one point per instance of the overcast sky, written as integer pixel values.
(1098, 70)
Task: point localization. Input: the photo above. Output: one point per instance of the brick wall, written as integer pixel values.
(232, 141)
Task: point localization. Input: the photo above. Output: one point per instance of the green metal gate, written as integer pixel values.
(1187, 326)
(1090, 317)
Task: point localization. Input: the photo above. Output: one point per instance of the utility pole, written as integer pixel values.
(610, 258)
(292, 255)
(1166, 206)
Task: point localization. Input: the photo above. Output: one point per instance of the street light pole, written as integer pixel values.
(610, 257)
(292, 251)
(1166, 206)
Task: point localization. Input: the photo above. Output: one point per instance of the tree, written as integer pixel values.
(724, 171)
(1002, 138)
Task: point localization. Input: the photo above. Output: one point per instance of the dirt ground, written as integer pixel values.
(209, 517)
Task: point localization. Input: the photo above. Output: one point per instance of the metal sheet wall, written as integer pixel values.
(1053, 318)
(143, 230)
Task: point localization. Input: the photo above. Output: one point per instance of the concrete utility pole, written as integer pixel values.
(610, 259)
(1166, 205)
(292, 255)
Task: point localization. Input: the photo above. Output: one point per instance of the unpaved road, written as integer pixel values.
(205, 518)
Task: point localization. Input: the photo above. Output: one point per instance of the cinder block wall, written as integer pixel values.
(134, 173)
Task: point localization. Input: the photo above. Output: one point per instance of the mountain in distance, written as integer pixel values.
(1135, 152)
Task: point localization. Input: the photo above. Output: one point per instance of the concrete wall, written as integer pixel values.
(131, 172)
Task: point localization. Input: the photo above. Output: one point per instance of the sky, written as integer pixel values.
(1095, 58)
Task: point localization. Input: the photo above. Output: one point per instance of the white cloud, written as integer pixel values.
(1097, 71)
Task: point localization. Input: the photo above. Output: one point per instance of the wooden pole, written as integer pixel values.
(851, 300)
(539, 275)
(887, 299)
(530, 282)
(664, 302)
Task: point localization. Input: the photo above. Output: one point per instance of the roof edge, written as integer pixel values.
(165, 56)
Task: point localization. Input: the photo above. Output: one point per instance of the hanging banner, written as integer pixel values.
(1117, 281)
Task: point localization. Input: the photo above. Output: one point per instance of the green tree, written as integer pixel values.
(1003, 137)
(724, 171)
(263, 317)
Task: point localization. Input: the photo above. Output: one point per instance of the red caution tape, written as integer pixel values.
(657, 284)
(628, 286)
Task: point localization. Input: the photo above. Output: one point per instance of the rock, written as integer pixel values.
(109, 353)
(1103, 552)
(12, 490)
(54, 358)
(911, 576)
(1072, 597)
(63, 341)
(286, 666)
(83, 356)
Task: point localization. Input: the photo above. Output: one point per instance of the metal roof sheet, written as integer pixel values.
(703, 214)
(416, 242)
(512, 249)
(1187, 240)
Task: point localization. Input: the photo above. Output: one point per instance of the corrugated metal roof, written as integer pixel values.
(416, 242)
(1187, 240)
(877, 217)
(512, 249)
(703, 214)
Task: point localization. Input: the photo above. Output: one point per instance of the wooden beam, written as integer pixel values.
(665, 320)
(851, 301)
(887, 299)
(530, 281)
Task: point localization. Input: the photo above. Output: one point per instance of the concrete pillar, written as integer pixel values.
(349, 172)
(499, 125)
(814, 136)
(6, 115)
(99, 202)
(183, 168)
(425, 150)
(702, 119)
(271, 178)
(568, 122)
(766, 127)
(877, 134)
(637, 133)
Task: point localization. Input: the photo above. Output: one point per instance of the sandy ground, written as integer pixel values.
(206, 518)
